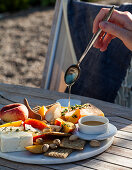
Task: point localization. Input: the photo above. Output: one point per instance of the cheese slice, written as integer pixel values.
(15, 141)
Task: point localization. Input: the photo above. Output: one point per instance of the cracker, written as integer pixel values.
(76, 144)
(59, 153)
(57, 133)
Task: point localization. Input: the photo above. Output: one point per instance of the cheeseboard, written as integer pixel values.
(35, 135)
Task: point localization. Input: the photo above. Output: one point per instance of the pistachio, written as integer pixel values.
(45, 147)
(53, 146)
(47, 129)
(94, 143)
(39, 141)
(57, 142)
(55, 128)
(73, 137)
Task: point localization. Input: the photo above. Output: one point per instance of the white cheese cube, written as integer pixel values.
(15, 141)
(10, 129)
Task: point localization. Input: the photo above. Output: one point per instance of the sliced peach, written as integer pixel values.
(42, 111)
(35, 123)
(69, 114)
(68, 127)
(58, 121)
(15, 124)
(34, 148)
(53, 112)
(74, 117)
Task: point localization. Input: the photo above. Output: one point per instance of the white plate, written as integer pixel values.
(64, 102)
(27, 157)
(111, 132)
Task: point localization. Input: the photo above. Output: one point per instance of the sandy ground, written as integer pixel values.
(23, 45)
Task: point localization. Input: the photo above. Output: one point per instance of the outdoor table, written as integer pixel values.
(118, 156)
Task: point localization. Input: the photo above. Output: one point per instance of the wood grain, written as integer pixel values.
(115, 159)
(120, 151)
(20, 166)
(107, 108)
(100, 165)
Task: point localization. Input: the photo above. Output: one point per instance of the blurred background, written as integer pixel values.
(24, 34)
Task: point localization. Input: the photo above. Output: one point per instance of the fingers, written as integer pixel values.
(112, 29)
(119, 25)
(98, 42)
(117, 17)
(107, 39)
(103, 42)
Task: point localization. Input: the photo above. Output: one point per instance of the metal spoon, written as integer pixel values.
(73, 72)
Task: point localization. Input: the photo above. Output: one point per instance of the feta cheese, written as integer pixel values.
(15, 141)
(30, 128)
(10, 129)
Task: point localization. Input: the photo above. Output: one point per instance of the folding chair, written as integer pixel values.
(60, 53)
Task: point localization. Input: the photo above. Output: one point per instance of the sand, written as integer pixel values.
(23, 44)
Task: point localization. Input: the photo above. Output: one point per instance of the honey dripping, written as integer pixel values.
(69, 88)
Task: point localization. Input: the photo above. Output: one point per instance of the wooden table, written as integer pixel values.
(117, 157)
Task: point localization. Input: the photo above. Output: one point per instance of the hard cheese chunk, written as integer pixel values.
(15, 141)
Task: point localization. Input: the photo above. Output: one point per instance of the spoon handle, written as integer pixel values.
(95, 36)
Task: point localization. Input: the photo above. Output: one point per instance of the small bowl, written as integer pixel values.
(97, 129)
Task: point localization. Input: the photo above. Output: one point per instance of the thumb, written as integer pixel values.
(112, 29)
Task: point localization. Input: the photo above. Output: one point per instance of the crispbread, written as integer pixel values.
(57, 133)
(59, 153)
(76, 144)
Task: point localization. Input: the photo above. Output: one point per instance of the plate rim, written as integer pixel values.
(57, 160)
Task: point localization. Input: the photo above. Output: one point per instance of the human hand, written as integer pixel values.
(119, 25)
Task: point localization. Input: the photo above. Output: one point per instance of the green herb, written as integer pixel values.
(68, 125)
(65, 110)
(17, 130)
(73, 107)
(25, 130)
(62, 114)
(74, 116)
(4, 128)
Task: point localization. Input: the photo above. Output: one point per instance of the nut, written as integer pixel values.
(45, 121)
(45, 147)
(53, 146)
(52, 122)
(94, 143)
(55, 128)
(47, 129)
(57, 142)
(73, 137)
(39, 141)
